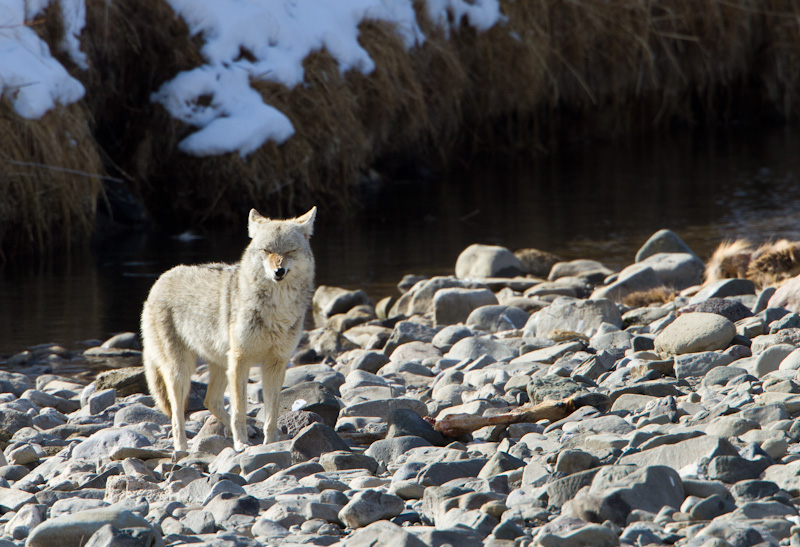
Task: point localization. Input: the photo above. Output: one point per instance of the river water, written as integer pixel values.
(588, 200)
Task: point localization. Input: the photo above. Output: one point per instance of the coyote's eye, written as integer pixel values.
(265, 252)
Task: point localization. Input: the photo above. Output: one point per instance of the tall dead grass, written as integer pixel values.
(50, 175)
(555, 70)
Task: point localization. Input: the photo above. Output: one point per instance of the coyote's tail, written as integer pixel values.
(156, 384)
(150, 358)
(730, 260)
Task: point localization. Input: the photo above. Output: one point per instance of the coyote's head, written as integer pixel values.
(281, 245)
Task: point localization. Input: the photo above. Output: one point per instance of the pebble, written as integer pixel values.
(692, 440)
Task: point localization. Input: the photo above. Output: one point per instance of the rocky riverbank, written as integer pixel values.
(691, 439)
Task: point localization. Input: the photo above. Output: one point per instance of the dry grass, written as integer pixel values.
(557, 69)
(49, 175)
(641, 299)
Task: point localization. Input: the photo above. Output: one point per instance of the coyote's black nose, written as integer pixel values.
(280, 273)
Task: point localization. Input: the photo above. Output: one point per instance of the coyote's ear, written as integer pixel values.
(253, 221)
(306, 222)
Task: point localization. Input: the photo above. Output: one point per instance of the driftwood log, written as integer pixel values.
(455, 425)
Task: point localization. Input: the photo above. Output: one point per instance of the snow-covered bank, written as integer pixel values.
(269, 40)
(30, 78)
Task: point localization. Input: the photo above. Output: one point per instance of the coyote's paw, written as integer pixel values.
(239, 446)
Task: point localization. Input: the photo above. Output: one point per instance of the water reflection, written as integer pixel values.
(598, 200)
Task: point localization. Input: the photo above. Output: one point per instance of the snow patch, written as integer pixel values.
(32, 80)
(267, 40)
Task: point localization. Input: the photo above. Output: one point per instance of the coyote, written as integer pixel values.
(232, 316)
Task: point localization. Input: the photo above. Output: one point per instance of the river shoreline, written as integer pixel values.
(681, 427)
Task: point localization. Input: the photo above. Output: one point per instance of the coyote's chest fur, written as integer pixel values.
(232, 316)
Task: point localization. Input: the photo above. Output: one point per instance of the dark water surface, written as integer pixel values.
(590, 200)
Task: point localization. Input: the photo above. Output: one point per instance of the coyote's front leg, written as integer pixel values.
(238, 370)
(272, 376)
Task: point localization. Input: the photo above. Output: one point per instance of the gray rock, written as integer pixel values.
(454, 305)
(12, 421)
(73, 530)
(732, 469)
(384, 533)
(591, 535)
(481, 261)
(405, 422)
(573, 315)
(315, 440)
(553, 388)
(369, 361)
(723, 288)
(199, 521)
(227, 504)
(676, 270)
(577, 268)
(368, 506)
(14, 382)
(386, 451)
(634, 278)
(475, 347)
(138, 413)
(106, 441)
(383, 408)
(787, 296)
(291, 423)
(712, 507)
(43, 400)
(449, 335)
(770, 359)
(438, 473)
(12, 499)
(663, 241)
(753, 490)
(681, 454)
(101, 400)
(575, 461)
(561, 490)
(126, 381)
(497, 318)
(694, 332)
(729, 309)
(719, 376)
(329, 301)
(318, 397)
(109, 536)
(346, 460)
(500, 462)
(405, 332)
(617, 490)
(697, 365)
